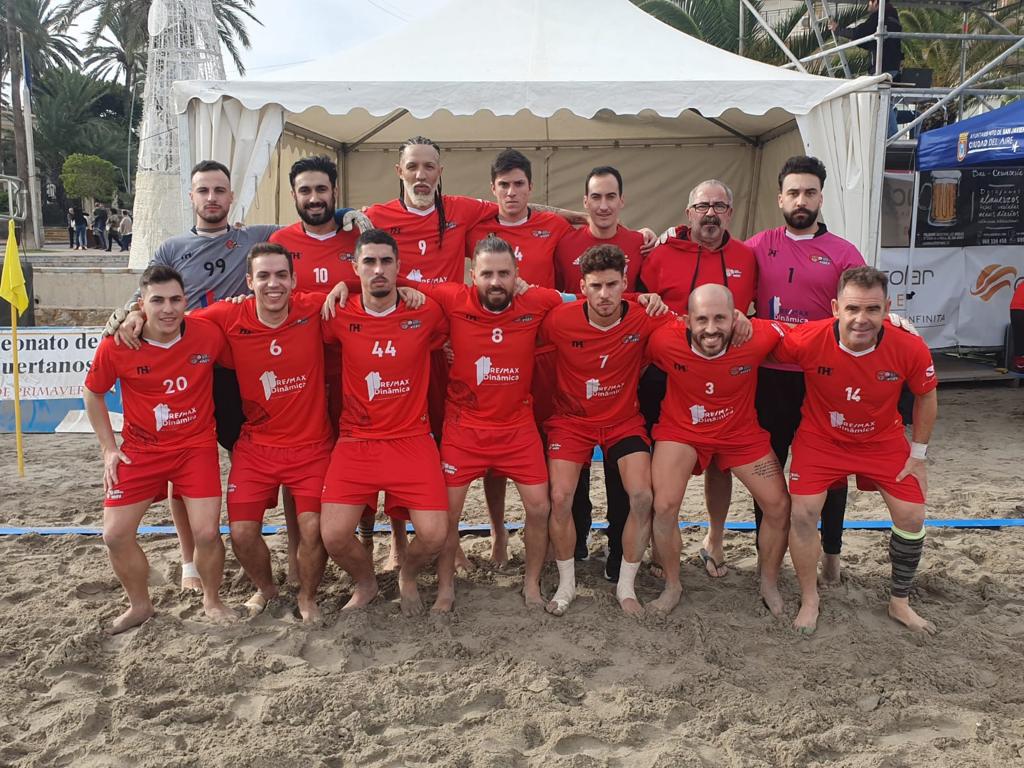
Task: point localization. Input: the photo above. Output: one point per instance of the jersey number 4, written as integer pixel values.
(387, 349)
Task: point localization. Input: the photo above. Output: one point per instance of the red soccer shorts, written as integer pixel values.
(257, 471)
(544, 384)
(819, 464)
(195, 473)
(467, 453)
(407, 469)
(572, 440)
(726, 453)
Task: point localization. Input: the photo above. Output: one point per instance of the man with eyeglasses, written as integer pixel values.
(700, 254)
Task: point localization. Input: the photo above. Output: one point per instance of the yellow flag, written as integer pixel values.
(12, 284)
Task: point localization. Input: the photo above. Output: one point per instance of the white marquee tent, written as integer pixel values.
(574, 84)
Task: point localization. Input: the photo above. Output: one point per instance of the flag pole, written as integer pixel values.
(17, 392)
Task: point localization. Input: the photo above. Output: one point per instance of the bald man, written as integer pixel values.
(708, 417)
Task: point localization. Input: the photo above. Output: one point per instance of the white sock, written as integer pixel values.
(627, 577)
(189, 571)
(566, 580)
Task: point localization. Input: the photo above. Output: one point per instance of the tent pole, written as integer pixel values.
(878, 176)
(755, 179)
(913, 240)
(394, 116)
(726, 127)
(342, 160)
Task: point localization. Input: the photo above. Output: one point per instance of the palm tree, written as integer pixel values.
(232, 17)
(45, 32)
(120, 51)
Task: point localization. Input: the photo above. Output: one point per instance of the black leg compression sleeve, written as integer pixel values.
(833, 514)
(619, 504)
(582, 509)
(777, 400)
(905, 554)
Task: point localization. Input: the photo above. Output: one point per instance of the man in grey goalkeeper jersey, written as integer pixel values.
(211, 258)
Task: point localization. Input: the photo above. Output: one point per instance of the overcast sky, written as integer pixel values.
(298, 32)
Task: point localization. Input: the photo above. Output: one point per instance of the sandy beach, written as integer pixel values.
(718, 682)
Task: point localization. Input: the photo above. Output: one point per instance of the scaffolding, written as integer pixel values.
(900, 147)
(974, 14)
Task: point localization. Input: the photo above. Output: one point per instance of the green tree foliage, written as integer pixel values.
(89, 176)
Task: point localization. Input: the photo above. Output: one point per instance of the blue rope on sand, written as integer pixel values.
(849, 525)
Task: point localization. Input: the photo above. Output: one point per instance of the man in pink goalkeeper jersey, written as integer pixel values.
(799, 265)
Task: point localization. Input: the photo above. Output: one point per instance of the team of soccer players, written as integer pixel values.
(417, 393)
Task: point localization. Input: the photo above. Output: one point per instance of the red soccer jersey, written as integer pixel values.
(489, 381)
(1017, 302)
(422, 255)
(853, 397)
(572, 246)
(675, 268)
(711, 399)
(318, 264)
(598, 369)
(533, 243)
(385, 368)
(166, 391)
(280, 370)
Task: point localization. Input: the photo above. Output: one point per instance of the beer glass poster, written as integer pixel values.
(972, 206)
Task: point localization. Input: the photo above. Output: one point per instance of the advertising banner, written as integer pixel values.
(52, 365)
(990, 277)
(929, 294)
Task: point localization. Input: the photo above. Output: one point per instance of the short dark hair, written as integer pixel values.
(375, 237)
(509, 160)
(803, 164)
(493, 244)
(158, 274)
(263, 249)
(210, 165)
(320, 163)
(863, 277)
(598, 258)
(602, 170)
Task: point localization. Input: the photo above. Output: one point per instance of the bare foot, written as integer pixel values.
(445, 601)
(462, 563)
(362, 595)
(806, 621)
(668, 599)
(219, 613)
(499, 548)
(772, 599)
(292, 579)
(191, 584)
(631, 607)
(831, 572)
(900, 610)
(309, 610)
(409, 596)
(133, 617)
(532, 597)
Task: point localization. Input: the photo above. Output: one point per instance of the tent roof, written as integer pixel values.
(994, 138)
(583, 58)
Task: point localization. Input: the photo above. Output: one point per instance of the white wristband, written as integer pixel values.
(918, 450)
